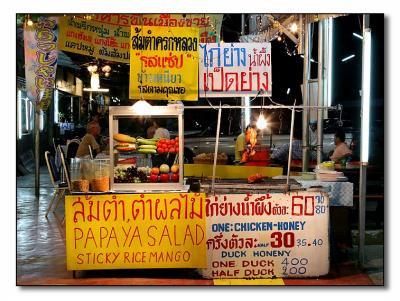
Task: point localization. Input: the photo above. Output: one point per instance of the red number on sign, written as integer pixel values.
(303, 206)
(288, 239)
(309, 206)
(278, 240)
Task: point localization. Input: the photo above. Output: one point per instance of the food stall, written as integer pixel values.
(139, 212)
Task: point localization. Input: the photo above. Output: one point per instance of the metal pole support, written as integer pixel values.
(216, 148)
(361, 213)
(37, 151)
(306, 99)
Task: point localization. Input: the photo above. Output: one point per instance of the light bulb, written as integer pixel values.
(293, 28)
(95, 81)
(142, 107)
(106, 68)
(261, 122)
(279, 38)
(29, 22)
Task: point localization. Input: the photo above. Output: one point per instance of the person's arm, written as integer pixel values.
(239, 147)
(340, 152)
(95, 146)
(281, 153)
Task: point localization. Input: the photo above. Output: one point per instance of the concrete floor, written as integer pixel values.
(41, 254)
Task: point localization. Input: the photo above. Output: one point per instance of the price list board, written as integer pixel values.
(267, 235)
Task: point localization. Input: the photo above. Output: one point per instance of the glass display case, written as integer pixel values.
(146, 147)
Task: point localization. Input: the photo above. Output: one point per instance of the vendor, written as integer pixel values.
(93, 131)
(313, 134)
(240, 146)
(281, 154)
(341, 151)
(161, 131)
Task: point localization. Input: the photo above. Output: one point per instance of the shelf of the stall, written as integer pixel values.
(169, 111)
(134, 158)
(150, 187)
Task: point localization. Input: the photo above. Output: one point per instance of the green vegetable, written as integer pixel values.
(146, 141)
(147, 146)
(146, 151)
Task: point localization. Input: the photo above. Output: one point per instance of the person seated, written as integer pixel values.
(161, 131)
(281, 154)
(93, 131)
(341, 151)
(313, 135)
(151, 130)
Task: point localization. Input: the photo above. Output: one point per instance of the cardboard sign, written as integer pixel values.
(164, 63)
(267, 235)
(40, 44)
(128, 231)
(235, 69)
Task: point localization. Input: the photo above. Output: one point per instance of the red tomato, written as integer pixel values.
(175, 177)
(176, 149)
(160, 150)
(164, 177)
(176, 138)
(153, 178)
(172, 142)
(171, 150)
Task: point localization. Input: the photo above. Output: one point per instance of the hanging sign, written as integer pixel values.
(40, 43)
(209, 24)
(125, 231)
(107, 36)
(235, 70)
(267, 235)
(92, 38)
(164, 63)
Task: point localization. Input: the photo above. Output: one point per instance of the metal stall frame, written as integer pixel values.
(292, 108)
(175, 110)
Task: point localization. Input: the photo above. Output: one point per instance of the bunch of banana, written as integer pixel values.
(124, 138)
(147, 146)
(124, 143)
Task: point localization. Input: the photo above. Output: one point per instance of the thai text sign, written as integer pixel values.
(40, 43)
(164, 63)
(125, 231)
(209, 24)
(107, 36)
(92, 38)
(235, 69)
(267, 235)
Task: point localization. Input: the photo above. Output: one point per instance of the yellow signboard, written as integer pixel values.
(127, 231)
(107, 36)
(164, 63)
(209, 24)
(92, 38)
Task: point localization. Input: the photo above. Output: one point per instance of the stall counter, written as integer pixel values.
(261, 235)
